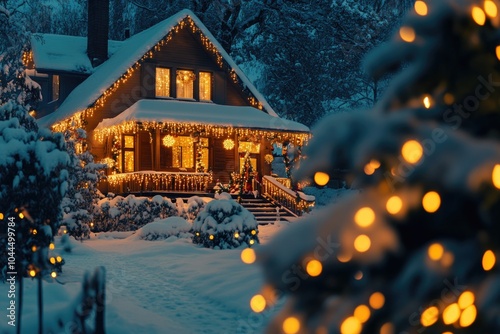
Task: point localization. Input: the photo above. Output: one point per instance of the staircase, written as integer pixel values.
(265, 211)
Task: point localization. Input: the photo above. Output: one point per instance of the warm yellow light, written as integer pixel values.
(228, 144)
(52, 260)
(466, 299)
(168, 141)
(451, 314)
(369, 170)
(429, 316)
(254, 232)
(1, 216)
(412, 151)
(252, 241)
(364, 217)
(495, 176)
(362, 313)
(362, 243)
(374, 163)
(435, 251)
(236, 235)
(21, 215)
(387, 328)
(58, 259)
(489, 260)
(447, 259)
(421, 8)
(53, 274)
(407, 34)
(33, 248)
(377, 300)
(394, 205)
(490, 8)
(321, 178)
(344, 257)
(52, 246)
(258, 303)
(32, 273)
(358, 275)
(478, 15)
(431, 201)
(314, 268)
(291, 325)
(351, 325)
(468, 316)
(427, 102)
(211, 237)
(248, 256)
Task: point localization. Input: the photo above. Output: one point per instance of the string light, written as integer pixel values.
(314, 268)
(388, 328)
(427, 102)
(489, 260)
(394, 205)
(362, 243)
(435, 251)
(168, 141)
(451, 314)
(412, 151)
(431, 201)
(468, 316)
(52, 246)
(466, 299)
(478, 15)
(421, 8)
(32, 273)
(362, 313)
(163, 180)
(321, 178)
(495, 176)
(429, 316)
(258, 303)
(377, 300)
(53, 274)
(364, 217)
(236, 235)
(351, 325)
(291, 325)
(407, 34)
(490, 8)
(248, 256)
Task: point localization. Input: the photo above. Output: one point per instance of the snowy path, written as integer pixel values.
(162, 280)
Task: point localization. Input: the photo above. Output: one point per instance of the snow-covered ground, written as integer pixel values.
(163, 286)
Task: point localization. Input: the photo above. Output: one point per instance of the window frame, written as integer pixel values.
(128, 149)
(169, 82)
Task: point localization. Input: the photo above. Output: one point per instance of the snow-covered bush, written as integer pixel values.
(194, 205)
(81, 199)
(181, 208)
(131, 212)
(225, 224)
(165, 228)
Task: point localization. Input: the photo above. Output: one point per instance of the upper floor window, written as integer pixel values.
(55, 87)
(128, 153)
(162, 82)
(205, 86)
(185, 84)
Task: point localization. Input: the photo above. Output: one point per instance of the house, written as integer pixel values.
(167, 108)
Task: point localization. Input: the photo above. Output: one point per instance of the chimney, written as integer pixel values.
(98, 30)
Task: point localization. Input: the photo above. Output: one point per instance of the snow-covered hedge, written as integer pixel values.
(225, 224)
(165, 228)
(195, 204)
(131, 212)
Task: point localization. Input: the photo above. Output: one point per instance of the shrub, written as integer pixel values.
(195, 205)
(225, 224)
(165, 228)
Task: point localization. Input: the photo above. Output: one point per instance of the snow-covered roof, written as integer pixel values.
(131, 51)
(201, 113)
(64, 53)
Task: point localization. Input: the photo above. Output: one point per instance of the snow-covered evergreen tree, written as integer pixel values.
(33, 162)
(415, 251)
(80, 201)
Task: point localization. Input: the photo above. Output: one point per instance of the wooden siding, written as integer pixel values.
(145, 151)
(223, 161)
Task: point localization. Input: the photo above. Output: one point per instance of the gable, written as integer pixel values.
(133, 53)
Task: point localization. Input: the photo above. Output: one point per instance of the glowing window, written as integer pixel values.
(204, 152)
(128, 141)
(162, 82)
(185, 84)
(128, 153)
(247, 146)
(183, 152)
(55, 87)
(129, 161)
(205, 86)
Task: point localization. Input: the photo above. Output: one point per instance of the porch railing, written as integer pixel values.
(145, 181)
(295, 201)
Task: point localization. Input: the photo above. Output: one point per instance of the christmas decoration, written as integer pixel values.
(416, 250)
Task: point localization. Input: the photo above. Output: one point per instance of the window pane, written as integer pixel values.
(247, 146)
(162, 82)
(129, 141)
(129, 161)
(205, 86)
(185, 80)
(204, 158)
(204, 142)
(55, 87)
(183, 153)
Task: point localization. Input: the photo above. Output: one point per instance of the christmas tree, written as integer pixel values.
(415, 251)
